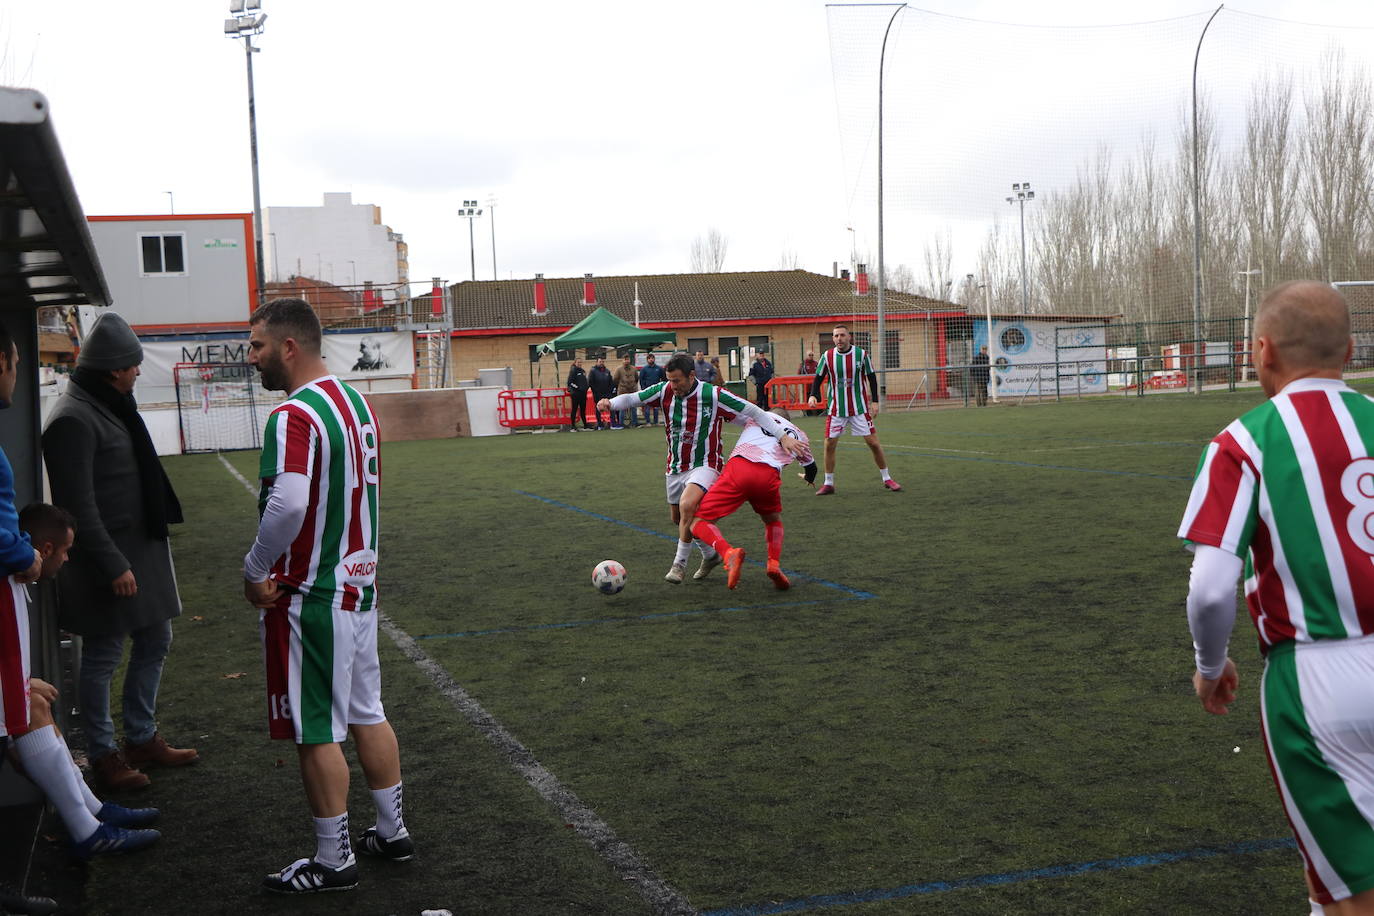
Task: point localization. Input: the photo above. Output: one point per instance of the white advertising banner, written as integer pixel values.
(1045, 357)
(362, 356)
(370, 354)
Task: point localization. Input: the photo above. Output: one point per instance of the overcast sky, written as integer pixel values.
(610, 133)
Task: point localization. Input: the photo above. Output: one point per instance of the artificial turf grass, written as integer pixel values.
(782, 751)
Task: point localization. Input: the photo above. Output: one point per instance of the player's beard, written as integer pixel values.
(271, 375)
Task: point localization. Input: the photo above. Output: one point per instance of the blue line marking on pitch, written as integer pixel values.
(854, 592)
(1052, 871)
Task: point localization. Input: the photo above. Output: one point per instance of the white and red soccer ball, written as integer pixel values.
(608, 577)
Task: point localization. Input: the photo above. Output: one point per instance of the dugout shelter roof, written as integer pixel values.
(602, 329)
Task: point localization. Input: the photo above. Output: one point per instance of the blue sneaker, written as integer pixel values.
(120, 816)
(109, 838)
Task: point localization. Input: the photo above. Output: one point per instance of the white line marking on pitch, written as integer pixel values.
(622, 858)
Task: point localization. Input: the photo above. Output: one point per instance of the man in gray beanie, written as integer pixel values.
(119, 582)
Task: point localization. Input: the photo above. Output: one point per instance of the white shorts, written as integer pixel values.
(676, 483)
(860, 425)
(1318, 715)
(322, 670)
(14, 658)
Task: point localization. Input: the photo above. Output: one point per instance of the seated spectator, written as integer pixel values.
(95, 827)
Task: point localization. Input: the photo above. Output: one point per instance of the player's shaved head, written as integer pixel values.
(1308, 322)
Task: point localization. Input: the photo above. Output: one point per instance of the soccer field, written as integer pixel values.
(974, 699)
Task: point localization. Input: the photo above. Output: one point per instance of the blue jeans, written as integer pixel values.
(651, 416)
(100, 657)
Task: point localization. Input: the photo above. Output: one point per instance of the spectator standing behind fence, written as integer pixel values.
(626, 382)
(603, 386)
(651, 374)
(979, 375)
(119, 584)
(577, 390)
(761, 372)
(704, 371)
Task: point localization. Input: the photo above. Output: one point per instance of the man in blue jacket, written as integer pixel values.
(651, 374)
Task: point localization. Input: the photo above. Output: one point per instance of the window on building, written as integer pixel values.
(863, 339)
(164, 254)
(892, 349)
(760, 343)
(698, 343)
(565, 356)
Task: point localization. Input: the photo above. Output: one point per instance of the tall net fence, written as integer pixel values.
(1044, 176)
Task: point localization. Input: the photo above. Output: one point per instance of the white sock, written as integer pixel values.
(1316, 907)
(49, 764)
(707, 551)
(389, 819)
(829, 480)
(332, 844)
(886, 475)
(684, 550)
(93, 804)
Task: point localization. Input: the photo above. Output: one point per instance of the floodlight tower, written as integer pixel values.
(470, 211)
(246, 21)
(1022, 193)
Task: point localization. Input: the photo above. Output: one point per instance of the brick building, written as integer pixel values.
(791, 311)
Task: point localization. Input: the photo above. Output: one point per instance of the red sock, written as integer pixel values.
(773, 532)
(709, 533)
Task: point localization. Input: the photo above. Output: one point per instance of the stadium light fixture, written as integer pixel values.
(245, 25)
(1022, 192)
(470, 211)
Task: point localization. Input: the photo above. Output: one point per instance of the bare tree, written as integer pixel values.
(939, 260)
(708, 252)
(788, 260)
(1336, 161)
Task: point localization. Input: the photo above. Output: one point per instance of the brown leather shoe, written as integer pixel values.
(113, 774)
(157, 752)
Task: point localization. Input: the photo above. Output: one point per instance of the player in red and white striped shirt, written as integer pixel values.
(1287, 493)
(754, 474)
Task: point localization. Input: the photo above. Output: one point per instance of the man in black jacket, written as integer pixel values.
(979, 375)
(603, 386)
(577, 390)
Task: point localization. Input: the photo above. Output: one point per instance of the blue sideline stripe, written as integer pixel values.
(854, 592)
(665, 615)
(1051, 871)
(1045, 467)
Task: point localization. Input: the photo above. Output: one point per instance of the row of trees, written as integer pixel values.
(1293, 199)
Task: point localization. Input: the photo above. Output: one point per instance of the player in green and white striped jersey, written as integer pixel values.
(847, 368)
(694, 411)
(312, 572)
(1288, 491)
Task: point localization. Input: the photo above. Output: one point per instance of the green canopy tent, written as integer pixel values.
(602, 329)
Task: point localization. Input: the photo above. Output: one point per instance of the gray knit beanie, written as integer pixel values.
(110, 344)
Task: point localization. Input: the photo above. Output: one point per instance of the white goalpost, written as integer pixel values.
(220, 406)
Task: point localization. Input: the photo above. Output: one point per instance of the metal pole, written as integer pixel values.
(1197, 216)
(1025, 295)
(248, 50)
(882, 361)
(492, 207)
(993, 380)
(472, 250)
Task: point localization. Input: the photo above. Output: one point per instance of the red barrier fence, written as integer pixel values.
(791, 391)
(521, 408)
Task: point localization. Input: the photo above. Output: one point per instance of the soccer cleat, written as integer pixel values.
(776, 574)
(398, 849)
(892, 485)
(14, 900)
(675, 573)
(707, 564)
(120, 816)
(825, 490)
(734, 565)
(306, 876)
(109, 838)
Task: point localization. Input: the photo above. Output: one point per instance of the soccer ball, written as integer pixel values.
(608, 577)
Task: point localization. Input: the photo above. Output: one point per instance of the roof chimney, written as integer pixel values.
(541, 305)
(436, 298)
(861, 281)
(844, 274)
(588, 290)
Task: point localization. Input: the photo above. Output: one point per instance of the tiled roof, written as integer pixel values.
(675, 298)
